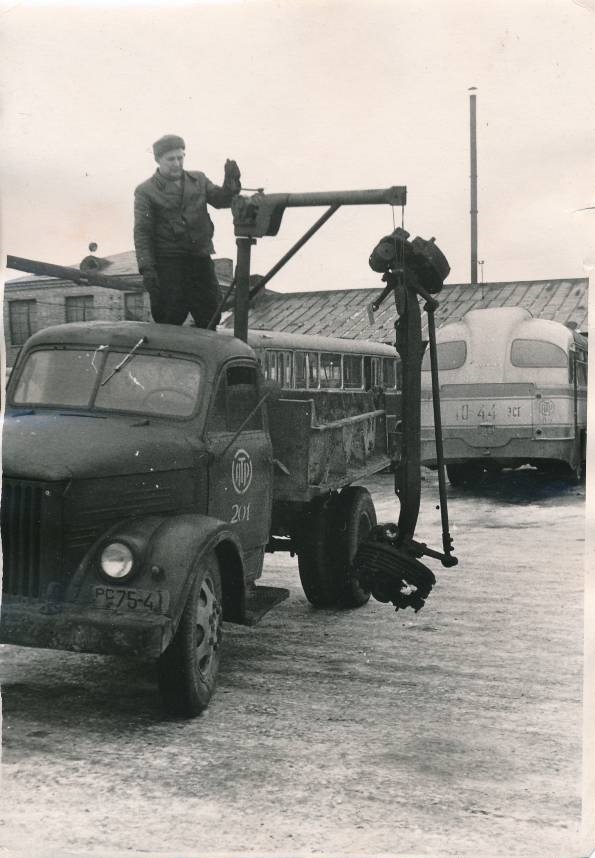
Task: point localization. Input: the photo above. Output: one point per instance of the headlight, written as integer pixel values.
(116, 560)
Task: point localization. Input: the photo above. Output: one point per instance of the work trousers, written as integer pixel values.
(187, 284)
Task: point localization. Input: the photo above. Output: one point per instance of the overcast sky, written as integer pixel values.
(308, 95)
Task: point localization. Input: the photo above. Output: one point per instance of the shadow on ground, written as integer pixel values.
(523, 486)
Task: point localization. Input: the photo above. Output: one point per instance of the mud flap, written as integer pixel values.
(260, 600)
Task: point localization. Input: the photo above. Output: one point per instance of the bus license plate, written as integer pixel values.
(474, 413)
(131, 599)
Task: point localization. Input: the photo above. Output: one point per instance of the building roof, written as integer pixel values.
(118, 265)
(344, 312)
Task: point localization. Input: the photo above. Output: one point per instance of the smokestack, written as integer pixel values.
(473, 153)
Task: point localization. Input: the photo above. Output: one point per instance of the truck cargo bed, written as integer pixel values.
(316, 453)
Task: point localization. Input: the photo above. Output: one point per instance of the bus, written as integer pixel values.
(313, 362)
(341, 378)
(513, 391)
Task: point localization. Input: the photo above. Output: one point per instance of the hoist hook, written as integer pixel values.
(387, 563)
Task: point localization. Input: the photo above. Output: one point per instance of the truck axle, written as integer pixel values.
(390, 572)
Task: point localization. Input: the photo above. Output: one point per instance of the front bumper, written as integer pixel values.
(79, 628)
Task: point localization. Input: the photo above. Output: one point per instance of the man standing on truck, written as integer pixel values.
(173, 235)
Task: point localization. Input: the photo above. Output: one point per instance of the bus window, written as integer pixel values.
(372, 372)
(287, 375)
(300, 374)
(389, 373)
(376, 372)
(270, 365)
(330, 370)
(353, 378)
(277, 367)
(536, 354)
(450, 355)
(313, 374)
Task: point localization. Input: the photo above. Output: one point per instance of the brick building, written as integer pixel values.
(34, 302)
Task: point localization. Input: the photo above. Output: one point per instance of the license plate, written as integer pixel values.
(510, 412)
(131, 599)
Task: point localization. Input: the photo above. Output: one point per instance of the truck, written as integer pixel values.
(148, 468)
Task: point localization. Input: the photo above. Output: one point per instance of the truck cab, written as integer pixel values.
(133, 454)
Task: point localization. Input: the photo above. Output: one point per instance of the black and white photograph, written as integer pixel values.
(298, 536)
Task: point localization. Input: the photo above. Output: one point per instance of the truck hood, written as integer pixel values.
(65, 446)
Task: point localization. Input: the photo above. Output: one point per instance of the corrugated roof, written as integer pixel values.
(343, 312)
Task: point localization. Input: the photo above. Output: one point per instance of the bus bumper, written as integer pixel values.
(83, 629)
(515, 452)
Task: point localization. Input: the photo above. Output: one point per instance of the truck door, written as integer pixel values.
(241, 461)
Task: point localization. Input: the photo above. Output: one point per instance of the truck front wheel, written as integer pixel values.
(187, 670)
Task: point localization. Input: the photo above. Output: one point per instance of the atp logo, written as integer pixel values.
(241, 471)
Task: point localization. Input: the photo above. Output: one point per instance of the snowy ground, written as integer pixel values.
(455, 731)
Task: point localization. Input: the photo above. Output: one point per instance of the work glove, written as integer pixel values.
(150, 280)
(231, 178)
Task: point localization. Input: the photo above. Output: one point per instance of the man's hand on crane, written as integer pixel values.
(232, 176)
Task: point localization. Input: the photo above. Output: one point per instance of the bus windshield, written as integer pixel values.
(114, 380)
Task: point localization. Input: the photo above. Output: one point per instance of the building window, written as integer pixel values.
(79, 308)
(134, 306)
(23, 318)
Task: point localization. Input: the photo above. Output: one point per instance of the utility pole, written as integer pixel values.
(473, 153)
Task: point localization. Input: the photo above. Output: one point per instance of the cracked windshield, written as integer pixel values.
(101, 380)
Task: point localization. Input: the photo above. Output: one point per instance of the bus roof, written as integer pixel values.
(509, 323)
(219, 344)
(313, 342)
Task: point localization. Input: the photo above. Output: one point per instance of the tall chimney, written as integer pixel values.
(473, 153)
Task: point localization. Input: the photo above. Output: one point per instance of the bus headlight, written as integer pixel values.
(116, 560)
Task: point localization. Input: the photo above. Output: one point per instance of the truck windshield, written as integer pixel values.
(146, 384)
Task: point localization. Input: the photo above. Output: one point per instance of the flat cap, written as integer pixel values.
(166, 143)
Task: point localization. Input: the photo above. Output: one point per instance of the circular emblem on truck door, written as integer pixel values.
(241, 471)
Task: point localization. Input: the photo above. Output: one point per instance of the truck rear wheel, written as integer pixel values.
(356, 518)
(187, 670)
(314, 553)
(330, 533)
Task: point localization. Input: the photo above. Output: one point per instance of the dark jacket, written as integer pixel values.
(168, 224)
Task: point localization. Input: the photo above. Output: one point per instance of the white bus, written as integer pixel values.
(513, 392)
